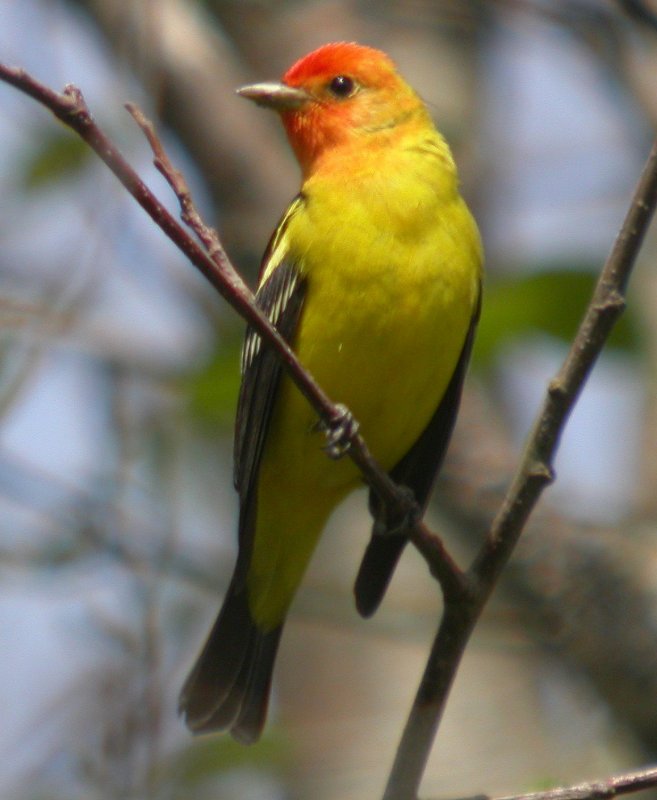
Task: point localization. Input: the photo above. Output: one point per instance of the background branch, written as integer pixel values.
(627, 783)
(534, 473)
(584, 593)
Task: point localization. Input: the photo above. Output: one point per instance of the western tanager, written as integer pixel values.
(374, 276)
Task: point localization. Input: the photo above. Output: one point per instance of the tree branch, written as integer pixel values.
(534, 473)
(626, 783)
(639, 11)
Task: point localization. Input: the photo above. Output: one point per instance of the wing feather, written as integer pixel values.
(280, 295)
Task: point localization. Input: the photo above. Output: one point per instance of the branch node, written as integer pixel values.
(456, 586)
(541, 472)
(75, 102)
(557, 390)
(614, 301)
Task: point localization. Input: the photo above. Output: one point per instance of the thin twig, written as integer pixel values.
(534, 473)
(627, 783)
(615, 786)
(176, 180)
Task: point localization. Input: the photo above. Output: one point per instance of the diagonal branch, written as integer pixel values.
(615, 786)
(534, 473)
(627, 783)
(212, 261)
(605, 307)
(639, 11)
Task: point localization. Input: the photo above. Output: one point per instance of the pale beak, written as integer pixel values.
(275, 95)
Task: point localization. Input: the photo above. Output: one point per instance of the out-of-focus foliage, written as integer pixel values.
(549, 300)
(205, 761)
(57, 155)
(212, 392)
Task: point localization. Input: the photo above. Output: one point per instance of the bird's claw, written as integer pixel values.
(400, 522)
(339, 432)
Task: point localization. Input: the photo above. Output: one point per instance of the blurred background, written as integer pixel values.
(118, 382)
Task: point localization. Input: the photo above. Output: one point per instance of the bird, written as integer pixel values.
(373, 276)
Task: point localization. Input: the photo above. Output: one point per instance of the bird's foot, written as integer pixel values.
(400, 520)
(339, 432)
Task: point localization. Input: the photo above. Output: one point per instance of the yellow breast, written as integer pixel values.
(392, 264)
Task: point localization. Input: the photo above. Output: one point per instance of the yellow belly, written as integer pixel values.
(383, 337)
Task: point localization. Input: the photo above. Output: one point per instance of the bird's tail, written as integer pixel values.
(379, 562)
(228, 688)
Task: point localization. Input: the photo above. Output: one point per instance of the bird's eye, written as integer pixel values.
(342, 86)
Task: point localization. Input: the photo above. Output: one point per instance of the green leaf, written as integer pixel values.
(549, 301)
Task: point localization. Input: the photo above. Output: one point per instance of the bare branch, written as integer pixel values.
(533, 475)
(606, 306)
(640, 12)
(176, 180)
(626, 783)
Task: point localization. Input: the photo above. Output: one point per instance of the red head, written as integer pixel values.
(342, 93)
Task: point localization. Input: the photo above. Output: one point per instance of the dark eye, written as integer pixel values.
(342, 86)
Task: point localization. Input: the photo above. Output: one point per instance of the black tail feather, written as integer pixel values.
(379, 561)
(228, 688)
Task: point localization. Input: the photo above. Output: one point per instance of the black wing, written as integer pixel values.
(280, 295)
(417, 470)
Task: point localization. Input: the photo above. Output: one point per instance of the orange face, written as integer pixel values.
(351, 90)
